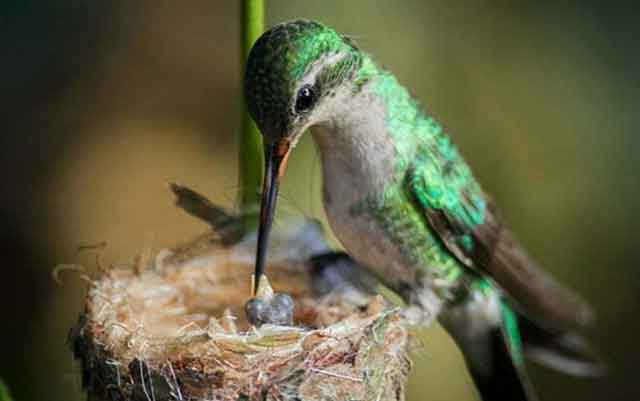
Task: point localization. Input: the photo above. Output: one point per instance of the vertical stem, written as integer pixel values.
(250, 152)
(4, 392)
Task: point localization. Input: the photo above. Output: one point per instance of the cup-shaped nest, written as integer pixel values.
(176, 330)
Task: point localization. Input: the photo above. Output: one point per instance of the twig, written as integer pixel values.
(332, 374)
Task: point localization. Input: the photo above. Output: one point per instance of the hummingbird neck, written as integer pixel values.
(370, 125)
(357, 150)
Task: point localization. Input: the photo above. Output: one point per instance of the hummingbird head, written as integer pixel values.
(292, 70)
(293, 73)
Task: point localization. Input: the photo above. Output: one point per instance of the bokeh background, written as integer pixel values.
(103, 103)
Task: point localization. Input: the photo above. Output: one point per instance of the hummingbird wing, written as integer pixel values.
(468, 224)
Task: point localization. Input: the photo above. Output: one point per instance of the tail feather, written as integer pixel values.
(566, 352)
(486, 330)
(495, 340)
(505, 377)
(507, 381)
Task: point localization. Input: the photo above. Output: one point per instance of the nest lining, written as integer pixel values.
(177, 331)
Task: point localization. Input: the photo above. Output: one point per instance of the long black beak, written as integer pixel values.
(275, 157)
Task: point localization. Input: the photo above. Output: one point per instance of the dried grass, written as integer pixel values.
(173, 328)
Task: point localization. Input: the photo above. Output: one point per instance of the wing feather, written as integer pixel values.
(468, 224)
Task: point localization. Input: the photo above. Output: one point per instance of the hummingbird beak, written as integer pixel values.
(275, 157)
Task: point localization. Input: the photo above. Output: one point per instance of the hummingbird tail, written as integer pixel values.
(505, 377)
(507, 381)
(496, 340)
(486, 330)
(566, 352)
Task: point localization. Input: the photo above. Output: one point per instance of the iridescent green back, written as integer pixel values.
(431, 174)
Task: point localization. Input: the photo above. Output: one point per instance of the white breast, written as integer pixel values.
(358, 156)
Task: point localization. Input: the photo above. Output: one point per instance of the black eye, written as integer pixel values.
(305, 99)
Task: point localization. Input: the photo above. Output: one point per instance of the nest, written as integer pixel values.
(175, 329)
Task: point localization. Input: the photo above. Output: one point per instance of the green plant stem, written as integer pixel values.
(4, 393)
(250, 152)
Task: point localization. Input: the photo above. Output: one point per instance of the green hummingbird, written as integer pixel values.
(404, 203)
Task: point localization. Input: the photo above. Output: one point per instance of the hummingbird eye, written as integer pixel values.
(305, 99)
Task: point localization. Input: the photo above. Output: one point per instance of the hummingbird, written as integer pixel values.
(405, 205)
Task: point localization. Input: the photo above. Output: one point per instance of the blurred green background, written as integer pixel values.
(103, 103)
